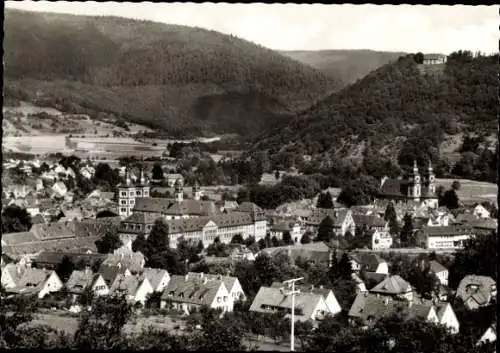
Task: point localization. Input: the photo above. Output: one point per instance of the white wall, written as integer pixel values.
(226, 305)
(383, 268)
(143, 291)
(52, 284)
(333, 304)
(450, 320)
(446, 242)
(98, 285)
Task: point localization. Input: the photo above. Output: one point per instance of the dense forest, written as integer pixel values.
(401, 111)
(174, 77)
(346, 65)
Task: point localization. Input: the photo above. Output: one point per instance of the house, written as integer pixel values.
(446, 316)
(342, 220)
(11, 274)
(369, 262)
(133, 261)
(380, 240)
(59, 189)
(489, 336)
(420, 189)
(360, 285)
(368, 308)
(293, 228)
(395, 287)
(38, 282)
(440, 271)
(481, 212)
(158, 278)
(370, 222)
(79, 281)
(330, 299)
(433, 59)
(476, 291)
(371, 279)
(308, 306)
(185, 293)
(448, 238)
(50, 259)
(110, 273)
(232, 284)
(135, 288)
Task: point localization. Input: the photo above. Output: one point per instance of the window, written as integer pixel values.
(123, 193)
(123, 202)
(132, 201)
(138, 193)
(225, 298)
(219, 299)
(123, 209)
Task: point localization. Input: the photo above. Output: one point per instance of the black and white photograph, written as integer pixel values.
(249, 177)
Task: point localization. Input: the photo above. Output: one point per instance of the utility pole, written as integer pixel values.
(291, 283)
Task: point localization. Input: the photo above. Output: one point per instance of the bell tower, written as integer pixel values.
(179, 190)
(414, 185)
(431, 179)
(196, 191)
(126, 196)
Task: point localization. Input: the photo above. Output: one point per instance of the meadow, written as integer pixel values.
(473, 190)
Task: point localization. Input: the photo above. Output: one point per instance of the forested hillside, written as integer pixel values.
(346, 65)
(175, 77)
(401, 111)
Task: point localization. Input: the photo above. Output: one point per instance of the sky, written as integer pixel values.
(407, 28)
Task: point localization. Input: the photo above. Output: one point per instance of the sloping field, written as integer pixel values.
(36, 144)
(473, 190)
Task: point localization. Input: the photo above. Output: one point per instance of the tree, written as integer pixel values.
(419, 58)
(325, 230)
(237, 239)
(65, 268)
(324, 200)
(158, 238)
(107, 244)
(306, 238)
(450, 199)
(140, 244)
(275, 241)
(157, 172)
(15, 219)
(277, 175)
(456, 185)
(287, 238)
(343, 269)
(406, 234)
(360, 191)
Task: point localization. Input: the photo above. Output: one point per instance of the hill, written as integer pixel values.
(182, 79)
(398, 112)
(346, 65)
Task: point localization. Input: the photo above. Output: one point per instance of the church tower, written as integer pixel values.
(414, 183)
(179, 190)
(431, 179)
(126, 196)
(196, 191)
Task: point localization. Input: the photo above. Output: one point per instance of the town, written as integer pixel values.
(249, 177)
(202, 249)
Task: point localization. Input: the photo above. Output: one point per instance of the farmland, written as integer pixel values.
(473, 190)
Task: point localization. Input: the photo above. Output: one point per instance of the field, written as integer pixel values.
(69, 324)
(473, 190)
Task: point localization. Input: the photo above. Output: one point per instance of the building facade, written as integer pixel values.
(128, 193)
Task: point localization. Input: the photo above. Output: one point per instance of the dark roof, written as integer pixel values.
(142, 218)
(97, 227)
(446, 230)
(436, 267)
(37, 219)
(192, 290)
(477, 288)
(369, 220)
(175, 208)
(109, 273)
(397, 188)
(56, 257)
(337, 215)
(75, 244)
(231, 219)
(53, 231)
(368, 261)
(392, 285)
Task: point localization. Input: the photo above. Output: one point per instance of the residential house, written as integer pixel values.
(368, 262)
(360, 285)
(157, 277)
(232, 284)
(476, 291)
(111, 273)
(135, 288)
(380, 240)
(395, 287)
(330, 299)
(97, 227)
(368, 308)
(489, 336)
(11, 274)
(440, 271)
(186, 292)
(50, 259)
(371, 222)
(136, 224)
(37, 282)
(134, 261)
(293, 228)
(372, 279)
(448, 238)
(241, 253)
(79, 281)
(308, 306)
(447, 317)
(342, 220)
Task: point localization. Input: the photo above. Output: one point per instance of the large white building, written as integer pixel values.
(192, 219)
(447, 238)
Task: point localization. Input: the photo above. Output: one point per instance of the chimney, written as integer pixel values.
(186, 277)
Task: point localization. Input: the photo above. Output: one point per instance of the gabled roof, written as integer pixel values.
(66, 244)
(142, 218)
(305, 303)
(477, 288)
(337, 215)
(369, 261)
(56, 257)
(192, 290)
(97, 227)
(436, 267)
(127, 284)
(369, 220)
(134, 261)
(19, 238)
(392, 285)
(31, 281)
(229, 281)
(176, 208)
(52, 231)
(109, 273)
(80, 280)
(305, 288)
(368, 306)
(15, 271)
(439, 231)
(154, 275)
